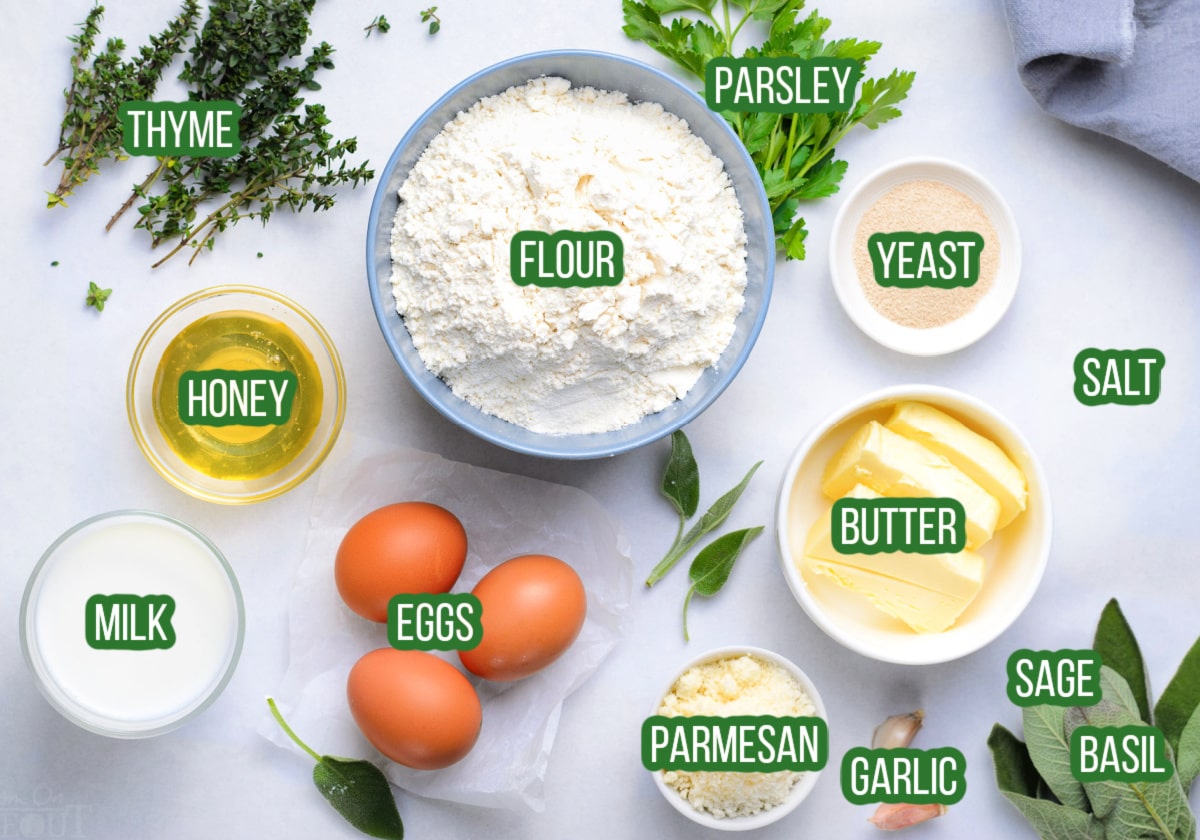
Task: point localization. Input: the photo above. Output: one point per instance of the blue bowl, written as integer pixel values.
(641, 83)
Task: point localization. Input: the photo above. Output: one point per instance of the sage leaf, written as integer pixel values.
(1187, 757)
(711, 520)
(1050, 752)
(359, 792)
(1118, 649)
(1180, 698)
(1015, 772)
(713, 564)
(681, 481)
(1131, 810)
(1057, 822)
(355, 788)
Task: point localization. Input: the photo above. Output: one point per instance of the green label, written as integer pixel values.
(786, 85)
(1054, 677)
(1119, 377)
(946, 260)
(916, 526)
(903, 775)
(739, 744)
(236, 397)
(196, 129)
(129, 622)
(434, 622)
(567, 258)
(1119, 754)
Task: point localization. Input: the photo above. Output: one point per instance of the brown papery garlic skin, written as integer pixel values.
(897, 731)
(893, 817)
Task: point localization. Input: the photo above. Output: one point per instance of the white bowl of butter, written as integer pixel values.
(909, 608)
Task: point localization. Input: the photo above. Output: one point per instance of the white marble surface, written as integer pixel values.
(1112, 259)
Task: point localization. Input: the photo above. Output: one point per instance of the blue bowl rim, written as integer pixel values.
(383, 314)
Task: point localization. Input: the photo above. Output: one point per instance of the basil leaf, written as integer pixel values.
(1015, 772)
(713, 564)
(1180, 698)
(1118, 649)
(681, 481)
(359, 792)
(1187, 758)
(1050, 752)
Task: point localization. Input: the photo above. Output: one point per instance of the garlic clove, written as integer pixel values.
(897, 731)
(893, 817)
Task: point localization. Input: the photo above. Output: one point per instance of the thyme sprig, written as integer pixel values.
(90, 132)
(244, 53)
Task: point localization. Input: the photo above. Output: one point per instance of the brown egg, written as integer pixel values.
(409, 547)
(418, 710)
(533, 608)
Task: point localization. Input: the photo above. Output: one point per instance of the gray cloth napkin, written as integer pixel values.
(1126, 68)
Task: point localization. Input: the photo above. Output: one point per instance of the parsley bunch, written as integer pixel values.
(794, 153)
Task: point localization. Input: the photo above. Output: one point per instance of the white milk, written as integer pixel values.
(132, 692)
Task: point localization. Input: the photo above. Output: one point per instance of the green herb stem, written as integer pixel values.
(290, 733)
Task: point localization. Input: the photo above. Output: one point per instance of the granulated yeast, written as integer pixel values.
(925, 207)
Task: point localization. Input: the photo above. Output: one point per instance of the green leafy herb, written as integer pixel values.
(430, 16)
(677, 468)
(713, 564)
(96, 296)
(90, 132)
(1036, 776)
(54, 263)
(681, 482)
(380, 23)
(1119, 650)
(355, 788)
(245, 52)
(1180, 698)
(794, 153)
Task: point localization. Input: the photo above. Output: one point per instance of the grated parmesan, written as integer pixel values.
(740, 685)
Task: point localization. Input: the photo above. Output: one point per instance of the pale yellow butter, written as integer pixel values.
(924, 610)
(979, 458)
(928, 592)
(895, 466)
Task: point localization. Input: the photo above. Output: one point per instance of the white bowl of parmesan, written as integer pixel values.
(738, 681)
(570, 145)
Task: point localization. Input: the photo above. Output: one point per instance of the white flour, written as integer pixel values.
(548, 157)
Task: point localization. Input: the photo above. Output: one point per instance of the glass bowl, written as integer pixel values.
(132, 693)
(139, 395)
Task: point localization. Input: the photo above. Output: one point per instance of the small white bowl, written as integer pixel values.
(798, 793)
(957, 334)
(1016, 557)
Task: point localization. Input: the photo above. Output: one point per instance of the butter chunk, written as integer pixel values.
(981, 459)
(924, 610)
(958, 576)
(893, 465)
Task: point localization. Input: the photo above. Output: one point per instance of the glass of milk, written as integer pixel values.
(132, 623)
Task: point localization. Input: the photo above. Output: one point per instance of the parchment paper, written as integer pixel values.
(504, 516)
